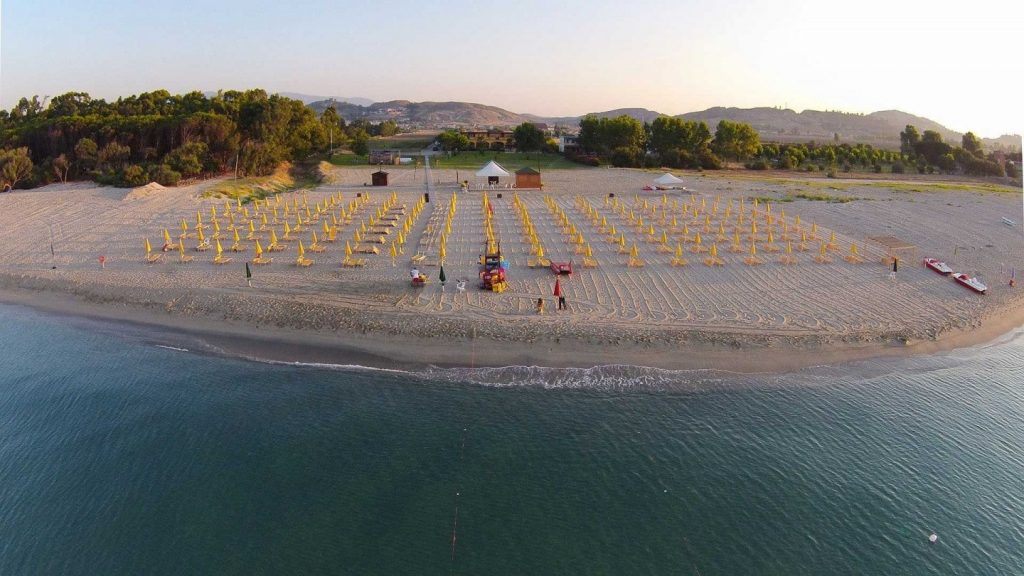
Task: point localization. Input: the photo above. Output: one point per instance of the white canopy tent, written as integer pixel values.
(668, 180)
(492, 170)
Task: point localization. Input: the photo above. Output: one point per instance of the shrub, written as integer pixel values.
(709, 161)
(877, 168)
(163, 175)
(897, 168)
(133, 175)
(759, 164)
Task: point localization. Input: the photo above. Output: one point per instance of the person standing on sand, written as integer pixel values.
(561, 297)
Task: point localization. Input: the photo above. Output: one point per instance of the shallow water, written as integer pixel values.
(119, 456)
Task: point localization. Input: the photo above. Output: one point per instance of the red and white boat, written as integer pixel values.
(970, 282)
(940, 267)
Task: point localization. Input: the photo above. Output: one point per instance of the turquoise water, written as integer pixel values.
(121, 457)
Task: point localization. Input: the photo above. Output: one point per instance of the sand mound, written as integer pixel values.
(143, 191)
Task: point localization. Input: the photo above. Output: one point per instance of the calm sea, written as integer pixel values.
(118, 456)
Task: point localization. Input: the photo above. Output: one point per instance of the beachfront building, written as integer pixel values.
(490, 139)
(377, 157)
(528, 178)
(379, 178)
(568, 144)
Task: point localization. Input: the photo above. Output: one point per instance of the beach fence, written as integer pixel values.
(890, 248)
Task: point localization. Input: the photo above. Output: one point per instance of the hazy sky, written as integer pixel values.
(955, 62)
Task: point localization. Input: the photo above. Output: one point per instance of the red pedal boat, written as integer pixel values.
(940, 267)
(970, 282)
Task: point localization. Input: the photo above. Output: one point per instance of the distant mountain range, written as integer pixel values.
(773, 124)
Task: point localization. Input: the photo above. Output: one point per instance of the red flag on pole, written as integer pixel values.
(558, 288)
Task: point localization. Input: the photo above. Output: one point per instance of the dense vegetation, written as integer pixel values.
(153, 137)
(677, 143)
(672, 142)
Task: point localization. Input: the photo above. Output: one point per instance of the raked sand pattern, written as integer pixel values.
(808, 303)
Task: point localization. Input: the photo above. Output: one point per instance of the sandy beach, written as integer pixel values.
(769, 317)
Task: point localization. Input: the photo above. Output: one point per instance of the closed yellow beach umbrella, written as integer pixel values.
(236, 238)
(167, 237)
(348, 248)
(442, 253)
(634, 252)
(184, 226)
(356, 237)
(273, 238)
(714, 250)
(148, 247)
(540, 251)
(219, 249)
(259, 249)
(679, 249)
(199, 234)
(302, 251)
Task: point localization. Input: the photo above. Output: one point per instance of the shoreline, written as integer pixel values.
(244, 340)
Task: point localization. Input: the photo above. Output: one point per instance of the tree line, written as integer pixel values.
(676, 143)
(626, 142)
(154, 136)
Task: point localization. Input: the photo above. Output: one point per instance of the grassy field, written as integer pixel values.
(257, 187)
(406, 142)
(511, 161)
(348, 160)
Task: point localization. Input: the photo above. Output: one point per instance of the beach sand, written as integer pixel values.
(770, 317)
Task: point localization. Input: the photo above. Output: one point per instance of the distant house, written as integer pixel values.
(568, 144)
(492, 138)
(527, 178)
(384, 157)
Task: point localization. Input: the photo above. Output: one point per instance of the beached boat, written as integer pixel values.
(940, 267)
(970, 282)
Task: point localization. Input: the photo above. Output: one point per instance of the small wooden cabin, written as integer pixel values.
(527, 178)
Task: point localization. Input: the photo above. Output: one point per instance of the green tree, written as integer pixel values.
(735, 140)
(527, 137)
(453, 140)
(909, 138)
(86, 153)
(972, 144)
(360, 142)
(188, 160)
(15, 166)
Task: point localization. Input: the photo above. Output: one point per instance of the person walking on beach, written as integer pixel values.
(560, 296)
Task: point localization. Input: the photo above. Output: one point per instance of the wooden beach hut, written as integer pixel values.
(528, 178)
(379, 178)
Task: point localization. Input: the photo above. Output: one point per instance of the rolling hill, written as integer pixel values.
(773, 124)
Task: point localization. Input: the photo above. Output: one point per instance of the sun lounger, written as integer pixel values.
(221, 259)
(154, 257)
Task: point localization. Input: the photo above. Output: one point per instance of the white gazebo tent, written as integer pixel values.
(668, 181)
(492, 171)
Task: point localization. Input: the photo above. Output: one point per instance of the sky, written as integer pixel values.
(957, 63)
